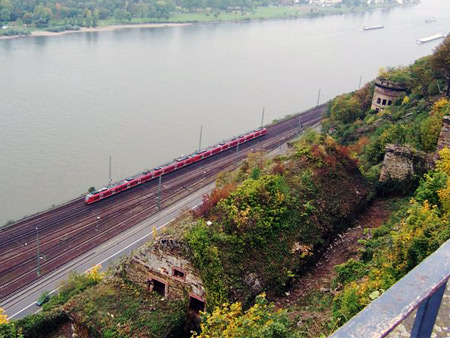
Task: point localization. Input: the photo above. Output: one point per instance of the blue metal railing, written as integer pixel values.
(422, 288)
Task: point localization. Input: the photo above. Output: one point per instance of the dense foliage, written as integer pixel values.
(3, 317)
(270, 226)
(262, 320)
(35, 325)
(399, 246)
(414, 231)
(414, 121)
(52, 316)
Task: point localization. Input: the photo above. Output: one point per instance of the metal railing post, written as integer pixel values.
(427, 313)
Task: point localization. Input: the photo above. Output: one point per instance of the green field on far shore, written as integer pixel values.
(259, 13)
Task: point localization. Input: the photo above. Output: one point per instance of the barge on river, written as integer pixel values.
(430, 38)
(368, 28)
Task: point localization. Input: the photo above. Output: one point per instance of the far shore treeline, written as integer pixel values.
(19, 17)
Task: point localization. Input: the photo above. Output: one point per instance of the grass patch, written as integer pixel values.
(311, 315)
(118, 308)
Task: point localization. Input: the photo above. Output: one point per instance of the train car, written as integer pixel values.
(179, 163)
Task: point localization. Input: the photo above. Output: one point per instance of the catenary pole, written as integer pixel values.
(200, 139)
(159, 192)
(38, 253)
(110, 177)
(262, 118)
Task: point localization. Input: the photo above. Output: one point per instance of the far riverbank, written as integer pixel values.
(182, 19)
(97, 29)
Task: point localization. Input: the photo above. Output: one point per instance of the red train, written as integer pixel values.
(177, 164)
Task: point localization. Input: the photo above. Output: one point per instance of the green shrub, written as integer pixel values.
(75, 284)
(349, 271)
(37, 325)
(429, 187)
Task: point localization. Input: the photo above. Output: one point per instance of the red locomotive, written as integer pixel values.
(177, 164)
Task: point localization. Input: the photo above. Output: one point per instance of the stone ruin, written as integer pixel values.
(444, 137)
(403, 162)
(162, 268)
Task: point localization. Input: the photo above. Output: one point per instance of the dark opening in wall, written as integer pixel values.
(378, 100)
(389, 102)
(178, 273)
(159, 287)
(196, 304)
(384, 102)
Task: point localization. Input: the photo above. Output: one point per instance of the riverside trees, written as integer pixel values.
(87, 14)
(440, 62)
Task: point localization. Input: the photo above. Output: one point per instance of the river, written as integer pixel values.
(140, 95)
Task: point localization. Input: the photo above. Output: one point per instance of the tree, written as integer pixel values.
(95, 18)
(440, 62)
(88, 17)
(346, 109)
(5, 10)
(42, 15)
(5, 15)
(141, 9)
(261, 320)
(3, 317)
(27, 18)
(122, 14)
(443, 166)
(163, 8)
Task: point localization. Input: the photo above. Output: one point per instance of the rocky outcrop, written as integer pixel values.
(444, 137)
(401, 163)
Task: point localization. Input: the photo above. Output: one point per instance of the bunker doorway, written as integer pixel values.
(159, 287)
(196, 305)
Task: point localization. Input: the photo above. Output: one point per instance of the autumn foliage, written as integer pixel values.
(272, 207)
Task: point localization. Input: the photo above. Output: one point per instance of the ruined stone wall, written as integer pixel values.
(444, 137)
(402, 162)
(163, 262)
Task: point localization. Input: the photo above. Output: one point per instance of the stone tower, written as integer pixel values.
(385, 93)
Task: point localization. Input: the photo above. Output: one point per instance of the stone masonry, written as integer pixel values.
(161, 267)
(402, 162)
(386, 93)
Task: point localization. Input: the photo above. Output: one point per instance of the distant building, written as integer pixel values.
(324, 2)
(386, 92)
(370, 2)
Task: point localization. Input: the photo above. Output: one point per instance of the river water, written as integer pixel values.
(140, 95)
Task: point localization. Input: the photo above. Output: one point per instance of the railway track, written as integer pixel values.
(69, 230)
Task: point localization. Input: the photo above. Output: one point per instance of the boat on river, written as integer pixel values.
(430, 38)
(368, 28)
